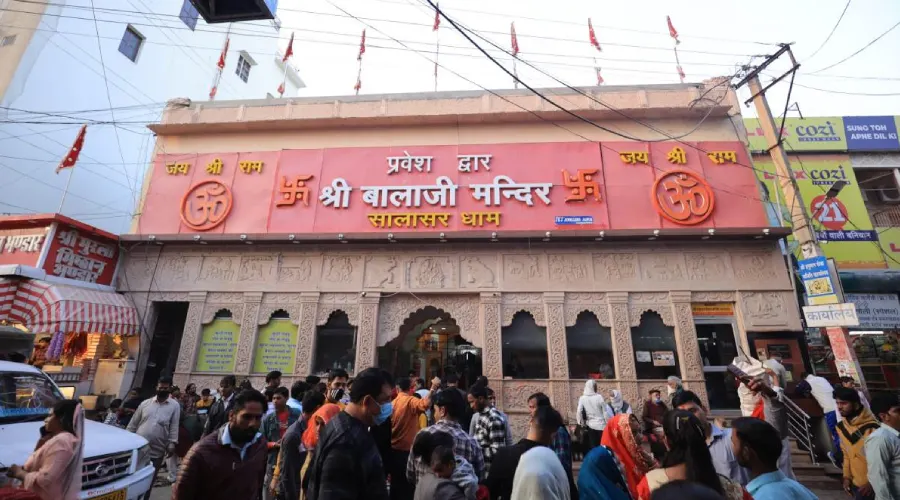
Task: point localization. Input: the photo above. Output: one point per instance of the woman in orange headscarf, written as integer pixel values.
(311, 437)
(622, 436)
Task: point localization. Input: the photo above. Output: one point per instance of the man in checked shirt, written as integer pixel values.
(449, 408)
(490, 426)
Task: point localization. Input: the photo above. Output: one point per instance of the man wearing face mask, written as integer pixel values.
(156, 420)
(652, 415)
(347, 464)
(231, 462)
(337, 387)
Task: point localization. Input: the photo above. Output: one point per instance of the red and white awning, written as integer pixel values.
(46, 307)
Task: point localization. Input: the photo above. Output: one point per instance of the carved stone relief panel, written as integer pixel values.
(257, 268)
(757, 268)
(536, 310)
(763, 311)
(686, 339)
(190, 337)
(662, 267)
(524, 271)
(432, 273)
(712, 297)
(244, 355)
(176, 270)
(272, 302)
(518, 425)
(635, 312)
(366, 334)
(306, 337)
(556, 341)
(516, 392)
(623, 351)
(135, 273)
(522, 298)
(236, 310)
(707, 266)
(559, 397)
(648, 298)
(299, 269)
(614, 268)
(325, 311)
(225, 298)
(577, 302)
(492, 354)
(394, 311)
(383, 272)
(341, 272)
(478, 271)
(218, 269)
(569, 271)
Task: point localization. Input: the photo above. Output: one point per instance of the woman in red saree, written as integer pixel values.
(623, 436)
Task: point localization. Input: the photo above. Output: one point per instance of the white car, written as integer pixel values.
(116, 462)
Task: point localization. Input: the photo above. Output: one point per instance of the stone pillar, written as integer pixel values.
(686, 341)
(556, 335)
(623, 351)
(366, 332)
(492, 354)
(190, 337)
(249, 327)
(306, 334)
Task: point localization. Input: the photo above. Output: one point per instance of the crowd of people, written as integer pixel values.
(374, 437)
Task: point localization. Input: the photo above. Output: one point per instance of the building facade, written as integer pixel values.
(459, 232)
(59, 69)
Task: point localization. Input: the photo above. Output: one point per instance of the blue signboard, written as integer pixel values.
(871, 133)
(817, 281)
(574, 220)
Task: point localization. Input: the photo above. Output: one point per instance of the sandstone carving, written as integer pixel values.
(523, 268)
(515, 394)
(306, 336)
(662, 267)
(568, 268)
(382, 272)
(295, 269)
(754, 267)
(337, 269)
(255, 268)
(492, 357)
(614, 267)
(217, 268)
(430, 273)
(478, 274)
(393, 312)
(705, 266)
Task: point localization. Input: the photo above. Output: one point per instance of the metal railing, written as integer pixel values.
(885, 215)
(798, 426)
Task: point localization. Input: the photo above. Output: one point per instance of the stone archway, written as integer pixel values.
(394, 311)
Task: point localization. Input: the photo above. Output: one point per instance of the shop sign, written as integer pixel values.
(802, 134)
(83, 258)
(276, 346)
(871, 133)
(21, 246)
(876, 310)
(712, 309)
(493, 187)
(841, 222)
(218, 344)
(889, 239)
(663, 358)
(816, 280)
(831, 315)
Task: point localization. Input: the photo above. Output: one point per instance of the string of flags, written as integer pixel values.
(362, 50)
(220, 66)
(674, 34)
(287, 55)
(514, 43)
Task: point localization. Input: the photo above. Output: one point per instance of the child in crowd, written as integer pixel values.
(206, 400)
(112, 414)
(451, 477)
(446, 465)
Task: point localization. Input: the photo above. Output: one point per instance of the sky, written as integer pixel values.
(716, 38)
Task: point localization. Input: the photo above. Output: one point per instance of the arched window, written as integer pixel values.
(654, 348)
(524, 348)
(335, 344)
(590, 348)
(276, 344)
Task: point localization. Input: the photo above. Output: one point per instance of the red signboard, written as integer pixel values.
(455, 188)
(22, 246)
(85, 258)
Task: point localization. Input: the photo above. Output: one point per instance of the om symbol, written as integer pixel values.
(683, 197)
(206, 205)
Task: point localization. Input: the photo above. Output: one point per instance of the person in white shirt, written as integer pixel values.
(593, 413)
(157, 420)
(823, 392)
(883, 448)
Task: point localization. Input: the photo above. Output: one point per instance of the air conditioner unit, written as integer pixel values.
(228, 11)
(889, 195)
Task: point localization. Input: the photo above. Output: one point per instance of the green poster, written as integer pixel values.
(218, 343)
(842, 223)
(802, 134)
(276, 346)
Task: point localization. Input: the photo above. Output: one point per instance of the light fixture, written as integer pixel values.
(655, 235)
(391, 238)
(494, 236)
(600, 236)
(152, 237)
(243, 237)
(707, 236)
(766, 231)
(712, 232)
(198, 240)
(546, 236)
(291, 237)
(341, 238)
(443, 238)
(835, 189)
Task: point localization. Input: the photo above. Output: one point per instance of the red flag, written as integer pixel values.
(221, 63)
(72, 156)
(593, 36)
(672, 31)
(281, 89)
(599, 76)
(290, 49)
(362, 46)
(680, 72)
(358, 85)
(437, 17)
(515, 41)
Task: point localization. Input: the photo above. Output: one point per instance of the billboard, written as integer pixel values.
(889, 239)
(531, 187)
(831, 133)
(841, 223)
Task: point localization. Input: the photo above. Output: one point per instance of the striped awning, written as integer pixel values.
(47, 307)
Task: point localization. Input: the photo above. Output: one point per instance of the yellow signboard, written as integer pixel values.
(712, 309)
(276, 346)
(218, 344)
(841, 223)
(889, 237)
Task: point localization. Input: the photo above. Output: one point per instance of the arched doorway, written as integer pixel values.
(430, 344)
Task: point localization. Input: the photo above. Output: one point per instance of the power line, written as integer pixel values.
(838, 23)
(25, 174)
(864, 47)
(862, 94)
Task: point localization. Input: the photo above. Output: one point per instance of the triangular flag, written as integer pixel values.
(672, 31)
(72, 156)
(223, 55)
(515, 41)
(680, 72)
(281, 89)
(599, 76)
(290, 49)
(437, 17)
(593, 36)
(362, 46)
(358, 85)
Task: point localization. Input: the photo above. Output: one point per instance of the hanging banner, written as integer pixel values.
(842, 223)
(218, 344)
(276, 345)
